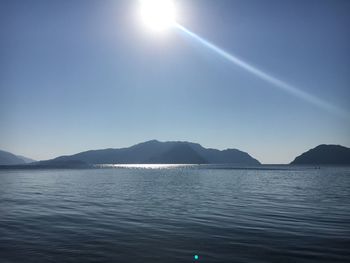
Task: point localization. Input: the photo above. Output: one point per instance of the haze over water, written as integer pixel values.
(170, 214)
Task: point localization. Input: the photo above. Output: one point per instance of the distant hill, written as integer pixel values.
(179, 153)
(59, 164)
(162, 153)
(26, 159)
(7, 158)
(325, 154)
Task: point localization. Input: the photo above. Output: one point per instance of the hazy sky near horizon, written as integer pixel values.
(86, 74)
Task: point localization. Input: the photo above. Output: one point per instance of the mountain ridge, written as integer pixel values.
(324, 154)
(7, 158)
(154, 151)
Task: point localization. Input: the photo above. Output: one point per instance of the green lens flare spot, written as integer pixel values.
(196, 257)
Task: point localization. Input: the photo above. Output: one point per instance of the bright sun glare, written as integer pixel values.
(158, 15)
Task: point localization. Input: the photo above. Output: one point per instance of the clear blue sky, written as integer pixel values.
(81, 74)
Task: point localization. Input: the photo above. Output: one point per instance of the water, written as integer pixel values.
(132, 214)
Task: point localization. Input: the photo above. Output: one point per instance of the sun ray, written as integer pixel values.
(267, 77)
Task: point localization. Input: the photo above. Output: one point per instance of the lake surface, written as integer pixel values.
(170, 214)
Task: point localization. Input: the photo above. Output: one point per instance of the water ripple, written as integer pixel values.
(168, 214)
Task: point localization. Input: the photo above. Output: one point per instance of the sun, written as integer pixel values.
(158, 15)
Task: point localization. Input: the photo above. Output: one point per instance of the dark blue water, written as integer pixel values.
(169, 215)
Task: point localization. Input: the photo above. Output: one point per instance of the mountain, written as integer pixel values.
(7, 158)
(162, 153)
(59, 164)
(179, 153)
(325, 154)
(26, 159)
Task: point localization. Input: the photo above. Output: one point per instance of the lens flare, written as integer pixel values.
(266, 77)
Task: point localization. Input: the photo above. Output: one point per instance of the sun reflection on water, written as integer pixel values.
(145, 166)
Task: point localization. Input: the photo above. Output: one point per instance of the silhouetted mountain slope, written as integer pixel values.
(60, 164)
(163, 152)
(7, 158)
(325, 154)
(229, 156)
(179, 153)
(25, 159)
